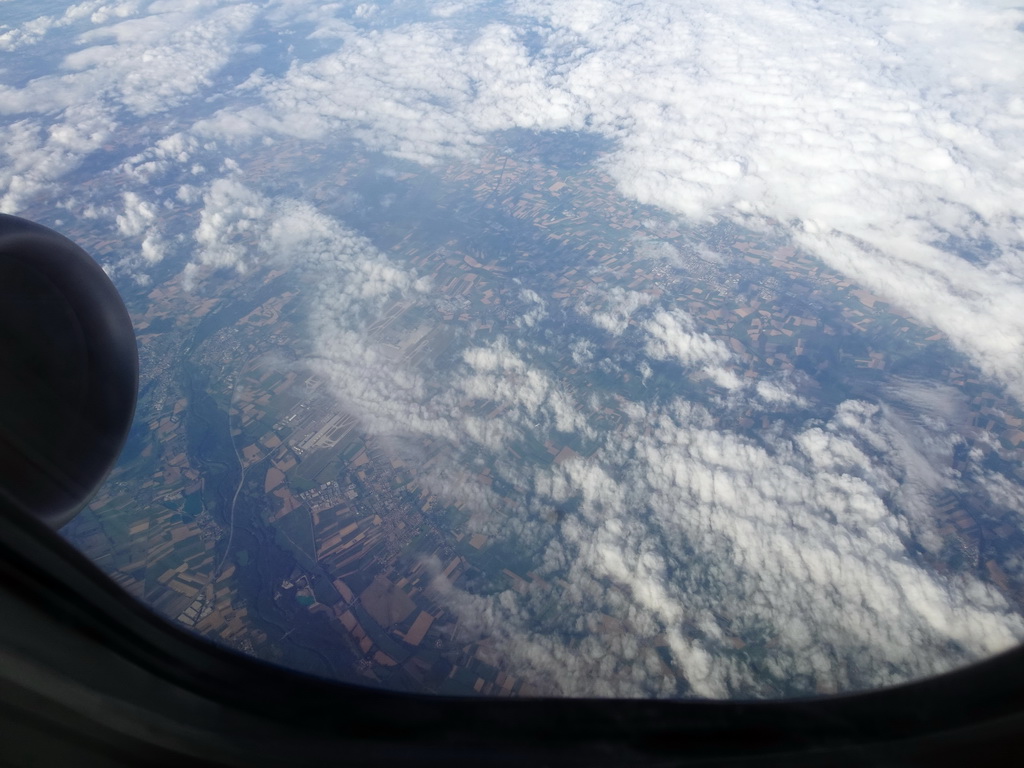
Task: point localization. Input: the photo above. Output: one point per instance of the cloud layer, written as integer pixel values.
(685, 556)
(883, 140)
(761, 566)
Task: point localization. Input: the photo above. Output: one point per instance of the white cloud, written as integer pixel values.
(778, 393)
(150, 65)
(671, 336)
(416, 92)
(145, 65)
(36, 156)
(874, 135)
(678, 532)
(855, 125)
(176, 149)
(233, 216)
(617, 308)
(792, 548)
(142, 221)
(35, 30)
(877, 138)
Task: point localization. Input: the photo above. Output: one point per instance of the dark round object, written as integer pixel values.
(69, 376)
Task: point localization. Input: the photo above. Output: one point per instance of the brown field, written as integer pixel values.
(519, 584)
(346, 593)
(865, 298)
(419, 628)
(274, 478)
(564, 455)
(285, 464)
(289, 503)
(386, 603)
(452, 565)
